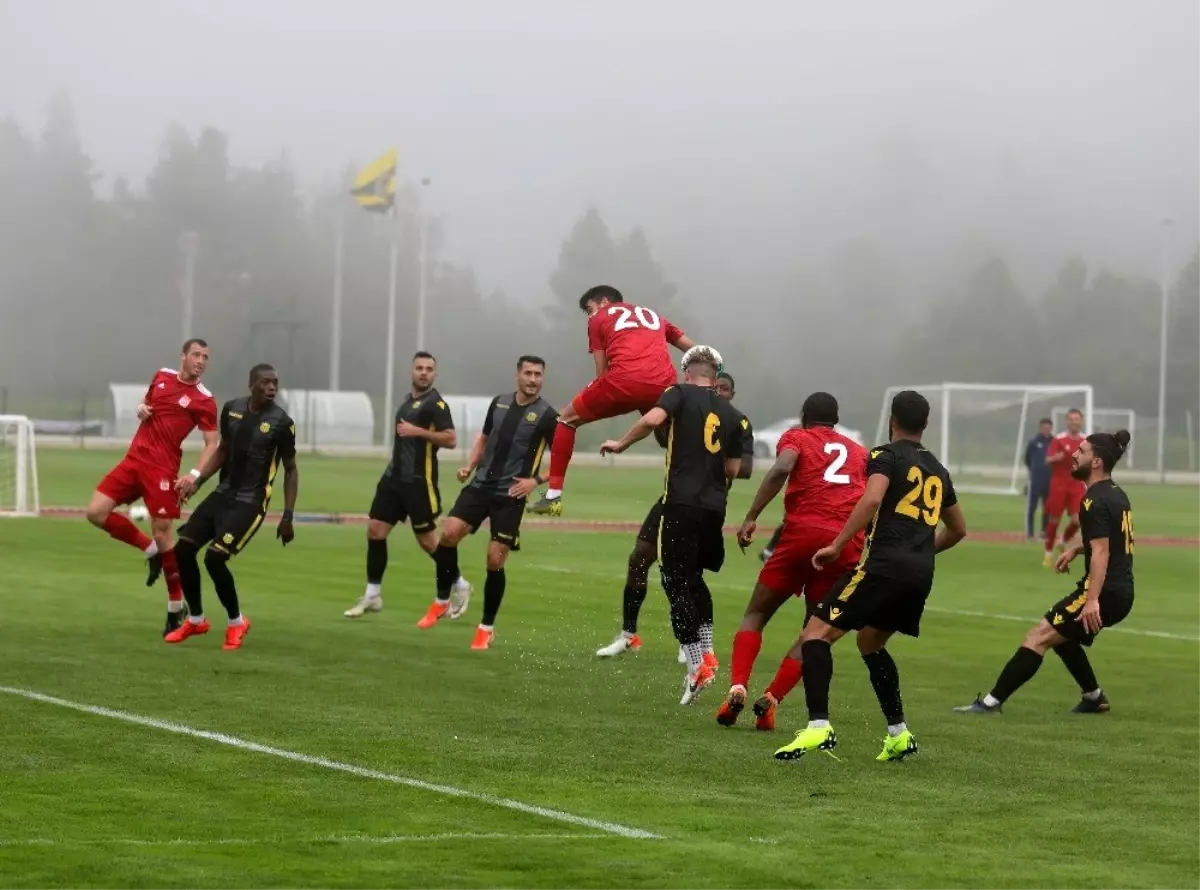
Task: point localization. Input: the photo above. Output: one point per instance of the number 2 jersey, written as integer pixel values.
(1106, 515)
(828, 479)
(634, 340)
(900, 537)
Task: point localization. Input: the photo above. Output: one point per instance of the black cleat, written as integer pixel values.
(1091, 706)
(978, 707)
(153, 568)
(174, 620)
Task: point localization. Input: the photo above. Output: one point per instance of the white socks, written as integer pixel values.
(196, 619)
(897, 729)
(706, 637)
(486, 627)
(152, 550)
(1094, 695)
(552, 493)
(174, 606)
(818, 724)
(695, 656)
(237, 622)
(373, 591)
(991, 701)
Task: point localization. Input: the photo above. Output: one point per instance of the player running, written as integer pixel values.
(826, 474)
(256, 437)
(408, 488)
(1103, 596)
(1066, 492)
(633, 367)
(645, 548)
(908, 492)
(176, 402)
(505, 459)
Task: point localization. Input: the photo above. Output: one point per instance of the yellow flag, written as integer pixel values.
(375, 186)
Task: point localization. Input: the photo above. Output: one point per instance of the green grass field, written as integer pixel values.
(444, 745)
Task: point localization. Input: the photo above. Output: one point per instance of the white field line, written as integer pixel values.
(965, 613)
(336, 765)
(280, 840)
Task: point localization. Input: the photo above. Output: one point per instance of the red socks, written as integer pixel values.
(1051, 534)
(746, 644)
(122, 529)
(560, 455)
(171, 571)
(786, 678)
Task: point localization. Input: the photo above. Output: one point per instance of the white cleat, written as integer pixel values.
(620, 646)
(682, 656)
(460, 597)
(694, 684)
(364, 605)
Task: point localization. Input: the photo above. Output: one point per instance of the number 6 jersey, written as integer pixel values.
(900, 538)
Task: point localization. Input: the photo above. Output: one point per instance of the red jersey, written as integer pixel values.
(176, 408)
(634, 340)
(1060, 471)
(828, 480)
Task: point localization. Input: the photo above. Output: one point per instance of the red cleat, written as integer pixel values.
(764, 711)
(189, 628)
(483, 638)
(235, 633)
(434, 614)
(732, 706)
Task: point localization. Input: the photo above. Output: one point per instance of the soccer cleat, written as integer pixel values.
(187, 629)
(460, 596)
(682, 659)
(811, 738)
(548, 506)
(1091, 706)
(174, 619)
(620, 646)
(435, 613)
(710, 659)
(978, 707)
(897, 747)
(365, 604)
(764, 712)
(153, 568)
(1048, 560)
(235, 633)
(735, 700)
(694, 684)
(483, 638)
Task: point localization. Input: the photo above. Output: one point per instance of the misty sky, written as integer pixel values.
(743, 139)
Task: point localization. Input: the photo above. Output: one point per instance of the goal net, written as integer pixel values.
(979, 430)
(1107, 420)
(18, 467)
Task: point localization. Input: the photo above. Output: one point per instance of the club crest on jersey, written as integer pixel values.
(264, 427)
(184, 401)
(164, 484)
(416, 404)
(227, 538)
(531, 416)
(162, 385)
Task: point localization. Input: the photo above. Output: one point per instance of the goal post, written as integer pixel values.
(1108, 420)
(980, 430)
(18, 467)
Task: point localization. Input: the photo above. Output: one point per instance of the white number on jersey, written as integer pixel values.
(646, 318)
(832, 474)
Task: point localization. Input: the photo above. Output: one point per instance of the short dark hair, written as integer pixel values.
(1109, 447)
(600, 292)
(910, 410)
(819, 409)
(421, 353)
(729, 377)
(190, 342)
(1046, 420)
(1074, 411)
(258, 370)
(530, 360)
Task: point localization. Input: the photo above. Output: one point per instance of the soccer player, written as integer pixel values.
(408, 488)
(1039, 476)
(505, 459)
(256, 437)
(176, 402)
(704, 451)
(826, 474)
(645, 548)
(1103, 596)
(633, 366)
(908, 492)
(1066, 492)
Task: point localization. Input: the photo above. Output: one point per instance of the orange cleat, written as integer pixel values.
(235, 633)
(735, 700)
(710, 661)
(764, 710)
(435, 613)
(483, 638)
(189, 628)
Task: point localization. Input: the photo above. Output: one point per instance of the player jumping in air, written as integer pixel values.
(256, 437)
(1066, 492)
(633, 367)
(505, 459)
(645, 548)
(826, 474)
(908, 492)
(1103, 596)
(176, 402)
(408, 488)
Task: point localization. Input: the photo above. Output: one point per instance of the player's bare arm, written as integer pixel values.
(859, 519)
(1089, 615)
(464, 473)
(768, 490)
(291, 490)
(211, 461)
(644, 426)
(953, 530)
(733, 466)
(1063, 564)
(747, 466)
(440, 438)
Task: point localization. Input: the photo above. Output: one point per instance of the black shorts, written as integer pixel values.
(502, 513)
(648, 534)
(1114, 606)
(690, 539)
(418, 503)
(227, 523)
(860, 599)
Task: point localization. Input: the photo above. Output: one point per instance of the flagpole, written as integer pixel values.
(335, 325)
(421, 283)
(393, 262)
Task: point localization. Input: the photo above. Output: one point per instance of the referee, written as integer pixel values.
(704, 452)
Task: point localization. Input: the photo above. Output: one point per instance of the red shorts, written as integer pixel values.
(131, 479)
(790, 568)
(1064, 498)
(611, 396)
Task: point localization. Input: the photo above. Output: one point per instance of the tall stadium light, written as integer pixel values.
(335, 321)
(1165, 230)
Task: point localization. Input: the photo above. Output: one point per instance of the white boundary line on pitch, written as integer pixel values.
(612, 828)
(965, 613)
(323, 839)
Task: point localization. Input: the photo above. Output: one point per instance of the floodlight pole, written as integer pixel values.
(1165, 227)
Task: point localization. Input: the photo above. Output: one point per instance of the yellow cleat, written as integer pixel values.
(811, 738)
(547, 506)
(897, 747)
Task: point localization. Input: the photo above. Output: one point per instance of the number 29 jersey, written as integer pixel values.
(900, 539)
(828, 479)
(634, 340)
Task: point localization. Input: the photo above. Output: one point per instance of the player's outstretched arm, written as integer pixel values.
(291, 491)
(644, 426)
(772, 483)
(210, 463)
(859, 518)
(953, 530)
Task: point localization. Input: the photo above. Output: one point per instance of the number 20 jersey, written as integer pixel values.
(634, 340)
(828, 479)
(900, 538)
